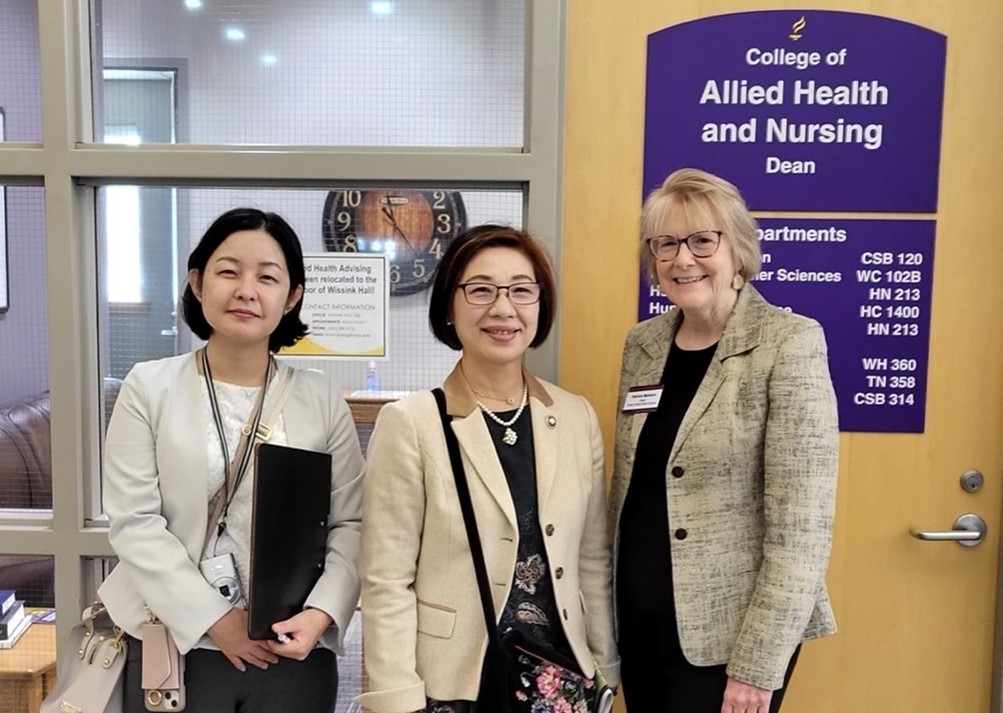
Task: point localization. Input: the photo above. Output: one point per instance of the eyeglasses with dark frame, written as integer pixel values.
(486, 293)
(702, 243)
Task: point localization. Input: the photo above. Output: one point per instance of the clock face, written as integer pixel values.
(412, 228)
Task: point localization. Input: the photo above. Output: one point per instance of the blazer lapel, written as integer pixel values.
(741, 334)
(649, 363)
(546, 439)
(475, 443)
(479, 450)
(186, 425)
(701, 400)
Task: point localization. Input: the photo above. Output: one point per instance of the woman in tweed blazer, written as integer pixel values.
(723, 488)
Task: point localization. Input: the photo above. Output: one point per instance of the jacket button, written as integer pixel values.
(559, 572)
(677, 472)
(549, 529)
(680, 534)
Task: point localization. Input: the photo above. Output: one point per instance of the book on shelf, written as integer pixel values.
(16, 634)
(43, 616)
(7, 599)
(12, 619)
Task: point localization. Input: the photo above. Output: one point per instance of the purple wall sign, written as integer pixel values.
(801, 109)
(868, 283)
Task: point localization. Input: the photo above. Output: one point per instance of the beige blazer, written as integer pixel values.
(155, 495)
(423, 625)
(757, 453)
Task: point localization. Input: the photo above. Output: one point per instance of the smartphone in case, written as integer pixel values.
(163, 670)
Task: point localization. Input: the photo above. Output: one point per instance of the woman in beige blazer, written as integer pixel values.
(533, 458)
(164, 462)
(725, 469)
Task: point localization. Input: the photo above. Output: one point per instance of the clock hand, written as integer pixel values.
(389, 213)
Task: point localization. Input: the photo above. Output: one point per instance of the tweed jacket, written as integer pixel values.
(751, 478)
(421, 613)
(155, 495)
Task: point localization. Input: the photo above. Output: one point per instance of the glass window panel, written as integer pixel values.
(30, 577)
(124, 237)
(94, 571)
(415, 360)
(20, 73)
(389, 73)
(172, 222)
(25, 450)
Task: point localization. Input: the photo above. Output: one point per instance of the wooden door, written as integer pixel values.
(917, 619)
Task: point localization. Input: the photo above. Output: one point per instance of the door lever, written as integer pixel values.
(969, 530)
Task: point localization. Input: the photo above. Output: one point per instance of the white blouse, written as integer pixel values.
(235, 405)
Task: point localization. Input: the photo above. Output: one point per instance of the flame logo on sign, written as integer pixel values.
(796, 29)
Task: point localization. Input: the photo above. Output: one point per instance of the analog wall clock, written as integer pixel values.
(412, 228)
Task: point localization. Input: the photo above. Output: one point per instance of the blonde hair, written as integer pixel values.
(706, 196)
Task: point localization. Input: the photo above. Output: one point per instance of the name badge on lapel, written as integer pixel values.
(642, 399)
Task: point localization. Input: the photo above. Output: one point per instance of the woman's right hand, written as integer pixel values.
(229, 633)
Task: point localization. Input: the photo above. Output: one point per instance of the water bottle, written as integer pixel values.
(372, 381)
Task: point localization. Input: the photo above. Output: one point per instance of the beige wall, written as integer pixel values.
(602, 183)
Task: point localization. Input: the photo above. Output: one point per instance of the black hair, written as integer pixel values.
(290, 329)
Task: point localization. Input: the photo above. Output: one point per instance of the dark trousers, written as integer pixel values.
(213, 685)
(656, 676)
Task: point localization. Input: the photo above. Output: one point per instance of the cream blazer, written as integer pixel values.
(752, 479)
(423, 624)
(155, 496)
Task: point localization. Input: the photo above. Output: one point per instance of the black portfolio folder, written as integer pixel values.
(292, 499)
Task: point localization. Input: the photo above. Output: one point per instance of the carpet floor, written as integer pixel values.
(350, 668)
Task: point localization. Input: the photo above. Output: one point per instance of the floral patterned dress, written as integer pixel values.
(531, 608)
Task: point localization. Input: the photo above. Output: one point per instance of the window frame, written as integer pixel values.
(70, 167)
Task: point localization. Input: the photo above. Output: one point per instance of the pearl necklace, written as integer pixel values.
(510, 437)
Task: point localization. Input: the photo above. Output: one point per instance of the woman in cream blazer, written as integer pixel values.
(423, 624)
(176, 423)
(722, 499)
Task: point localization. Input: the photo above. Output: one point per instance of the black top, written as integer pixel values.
(531, 607)
(644, 565)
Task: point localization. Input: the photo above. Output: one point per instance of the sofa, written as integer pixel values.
(26, 453)
(26, 448)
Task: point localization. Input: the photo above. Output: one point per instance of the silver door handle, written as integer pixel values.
(969, 530)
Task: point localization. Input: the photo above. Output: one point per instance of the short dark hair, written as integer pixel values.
(290, 329)
(459, 254)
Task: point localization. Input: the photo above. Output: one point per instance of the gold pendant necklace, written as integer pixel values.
(510, 400)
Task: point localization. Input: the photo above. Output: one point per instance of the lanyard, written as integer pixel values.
(236, 471)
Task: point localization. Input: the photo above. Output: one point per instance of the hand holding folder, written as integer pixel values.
(292, 498)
